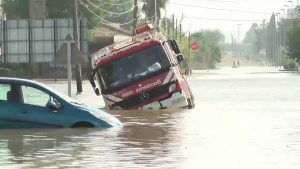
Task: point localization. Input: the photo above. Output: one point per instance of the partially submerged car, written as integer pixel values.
(30, 104)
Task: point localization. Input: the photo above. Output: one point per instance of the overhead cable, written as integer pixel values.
(220, 19)
(110, 12)
(116, 4)
(222, 9)
(106, 22)
(89, 22)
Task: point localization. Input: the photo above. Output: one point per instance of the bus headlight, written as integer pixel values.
(172, 88)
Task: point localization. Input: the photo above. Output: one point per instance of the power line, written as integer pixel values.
(110, 12)
(106, 22)
(220, 19)
(116, 4)
(89, 22)
(221, 9)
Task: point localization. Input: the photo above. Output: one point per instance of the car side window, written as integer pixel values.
(35, 96)
(4, 88)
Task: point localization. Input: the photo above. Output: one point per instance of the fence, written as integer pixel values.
(37, 41)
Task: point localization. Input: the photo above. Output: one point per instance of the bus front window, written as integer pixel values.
(134, 67)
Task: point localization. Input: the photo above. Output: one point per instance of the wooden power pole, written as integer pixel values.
(77, 41)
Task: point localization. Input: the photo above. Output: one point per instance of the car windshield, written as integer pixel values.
(133, 68)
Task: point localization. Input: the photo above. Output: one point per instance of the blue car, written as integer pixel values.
(29, 104)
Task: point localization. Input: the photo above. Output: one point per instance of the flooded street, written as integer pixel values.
(247, 117)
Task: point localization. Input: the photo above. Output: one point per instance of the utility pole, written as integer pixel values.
(155, 13)
(176, 29)
(77, 41)
(279, 41)
(238, 43)
(135, 11)
(166, 23)
(173, 27)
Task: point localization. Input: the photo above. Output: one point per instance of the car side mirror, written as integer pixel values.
(53, 106)
(180, 58)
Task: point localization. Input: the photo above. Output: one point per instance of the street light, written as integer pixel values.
(287, 10)
(292, 4)
(278, 44)
(292, 12)
(283, 12)
(238, 43)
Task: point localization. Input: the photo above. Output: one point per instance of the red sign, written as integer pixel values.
(194, 46)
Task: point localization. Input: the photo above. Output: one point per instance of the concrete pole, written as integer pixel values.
(155, 13)
(69, 65)
(275, 43)
(279, 41)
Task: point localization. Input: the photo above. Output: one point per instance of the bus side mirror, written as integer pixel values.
(180, 58)
(91, 79)
(97, 91)
(175, 47)
(173, 44)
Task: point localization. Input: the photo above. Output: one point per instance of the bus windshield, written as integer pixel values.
(133, 68)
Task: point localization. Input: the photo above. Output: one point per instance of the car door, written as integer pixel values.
(9, 109)
(34, 108)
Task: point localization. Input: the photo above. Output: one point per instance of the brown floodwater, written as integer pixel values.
(247, 117)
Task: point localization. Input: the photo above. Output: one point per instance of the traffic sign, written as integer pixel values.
(195, 46)
(76, 55)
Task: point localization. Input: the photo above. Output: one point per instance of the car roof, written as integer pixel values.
(19, 81)
(34, 84)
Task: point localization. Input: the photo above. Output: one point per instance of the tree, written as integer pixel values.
(59, 8)
(210, 51)
(293, 45)
(252, 37)
(148, 8)
(15, 9)
(19, 9)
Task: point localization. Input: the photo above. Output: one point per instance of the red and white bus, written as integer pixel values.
(141, 74)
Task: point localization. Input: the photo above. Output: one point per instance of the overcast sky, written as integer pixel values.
(207, 14)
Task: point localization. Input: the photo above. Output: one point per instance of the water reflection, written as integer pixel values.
(146, 139)
(40, 148)
(241, 120)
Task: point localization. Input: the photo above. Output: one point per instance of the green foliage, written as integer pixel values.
(15, 9)
(59, 8)
(252, 36)
(19, 9)
(293, 45)
(149, 7)
(210, 51)
(290, 65)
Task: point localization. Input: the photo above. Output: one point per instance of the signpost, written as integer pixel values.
(69, 54)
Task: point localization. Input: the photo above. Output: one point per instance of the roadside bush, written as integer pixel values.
(290, 65)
